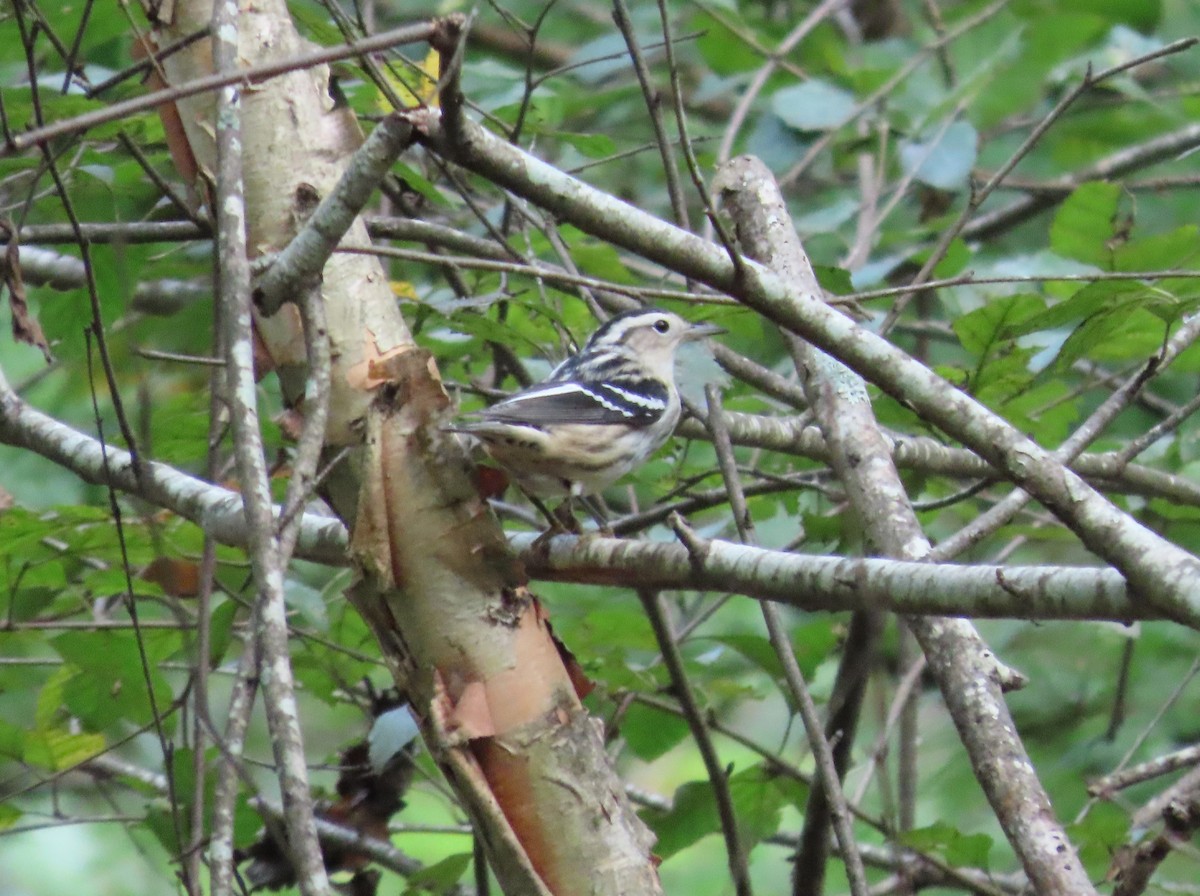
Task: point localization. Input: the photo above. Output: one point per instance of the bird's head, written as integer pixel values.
(650, 336)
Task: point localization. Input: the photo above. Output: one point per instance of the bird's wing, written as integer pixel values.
(590, 403)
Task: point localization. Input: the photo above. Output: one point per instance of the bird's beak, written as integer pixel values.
(702, 331)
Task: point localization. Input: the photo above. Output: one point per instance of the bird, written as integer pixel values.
(598, 415)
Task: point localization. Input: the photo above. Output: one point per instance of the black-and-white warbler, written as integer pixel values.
(599, 414)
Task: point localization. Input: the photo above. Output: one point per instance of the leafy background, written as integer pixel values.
(76, 677)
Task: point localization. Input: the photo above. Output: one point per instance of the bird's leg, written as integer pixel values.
(564, 516)
(598, 512)
(561, 519)
(561, 522)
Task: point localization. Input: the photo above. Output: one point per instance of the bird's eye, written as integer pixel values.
(662, 325)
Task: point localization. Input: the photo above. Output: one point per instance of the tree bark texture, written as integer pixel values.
(441, 589)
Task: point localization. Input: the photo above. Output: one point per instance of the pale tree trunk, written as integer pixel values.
(438, 584)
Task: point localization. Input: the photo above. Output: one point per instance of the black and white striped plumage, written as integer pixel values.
(599, 414)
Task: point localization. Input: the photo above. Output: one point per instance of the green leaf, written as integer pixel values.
(420, 183)
(944, 160)
(9, 815)
(56, 750)
(594, 146)
(1114, 334)
(723, 55)
(814, 105)
(1102, 831)
(12, 740)
(756, 649)
(48, 712)
(309, 604)
(835, 280)
(1001, 318)
(1086, 223)
(693, 815)
(1087, 301)
(220, 628)
(161, 822)
(27, 603)
(651, 733)
(758, 801)
(1177, 249)
(440, 876)
(1141, 14)
(951, 844)
(111, 683)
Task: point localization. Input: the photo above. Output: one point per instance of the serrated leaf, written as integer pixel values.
(27, 603)
(815, 105)
(723, 56)
(756, 649)
(12, 740)
(1086, 223)
(758, 801)
(111, 683)
(309, 604)
(945, 160)
(49, 707)
(220, 627)
(161, 822)
(835, 280)
(1101, 331)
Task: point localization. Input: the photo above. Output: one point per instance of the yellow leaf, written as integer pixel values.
(413, 86)
(403, 289)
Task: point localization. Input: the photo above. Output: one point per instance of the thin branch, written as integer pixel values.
(802, 29)
(717, 775)
(1109, 784)
(828, 778)
(968, 673)
(229, 771)
(1164, 573)
(266, 556)
(977, 197)
(653, 102)
(999, 514)
(251, 75)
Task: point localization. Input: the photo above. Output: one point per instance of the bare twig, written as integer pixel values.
(717, 774)
(250, 75)
(267, 559)
(968, 673)
(653, 102)
(828, 778)
(977, 197)
(1161, 570)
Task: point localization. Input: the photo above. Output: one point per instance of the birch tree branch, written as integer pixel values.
(968, 674)
(1159, 571)
(267, 556)
(809, 582)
